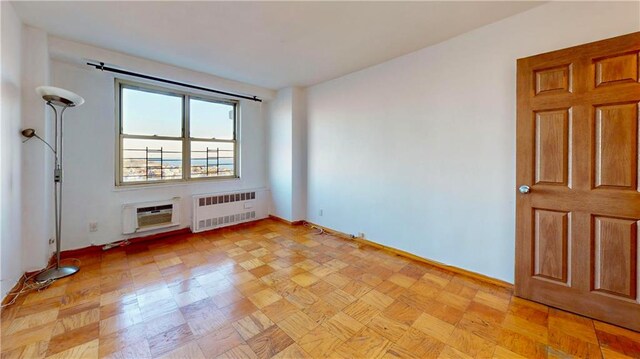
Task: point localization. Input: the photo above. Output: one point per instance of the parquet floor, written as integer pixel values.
(268, 290)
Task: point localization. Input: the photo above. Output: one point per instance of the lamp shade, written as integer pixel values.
(59, 96)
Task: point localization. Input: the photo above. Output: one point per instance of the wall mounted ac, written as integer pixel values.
(149, 216)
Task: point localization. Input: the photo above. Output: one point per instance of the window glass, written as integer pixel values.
(211, 120)
(148, 113)
(151, 160)
(212, 159)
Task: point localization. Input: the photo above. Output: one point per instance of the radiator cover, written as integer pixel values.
(216, 210)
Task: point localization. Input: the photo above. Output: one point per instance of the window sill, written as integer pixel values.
(149, 186)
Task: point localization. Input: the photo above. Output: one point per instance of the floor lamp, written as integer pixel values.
(63, 99)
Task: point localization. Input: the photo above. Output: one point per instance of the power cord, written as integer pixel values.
(29, 283)
(320, 229)
(122, 243)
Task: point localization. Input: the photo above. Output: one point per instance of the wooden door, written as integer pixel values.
(577, 150)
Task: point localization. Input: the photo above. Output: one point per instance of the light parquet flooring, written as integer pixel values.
(270, 290)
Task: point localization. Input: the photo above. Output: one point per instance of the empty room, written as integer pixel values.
(430, 179)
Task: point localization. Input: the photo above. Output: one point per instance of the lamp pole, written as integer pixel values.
(56, 97)
(58, 271)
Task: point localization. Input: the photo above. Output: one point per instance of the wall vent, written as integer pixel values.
(225, 198)
(210, 223)
(154, 215)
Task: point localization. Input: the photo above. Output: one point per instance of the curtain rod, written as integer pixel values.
(101, 67)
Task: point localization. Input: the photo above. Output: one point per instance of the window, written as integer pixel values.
(165, 135)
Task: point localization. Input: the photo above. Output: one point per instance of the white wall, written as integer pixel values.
(11, 149)
(287, 154)
(280, 152)
(37, 158)
(419, 152)
(90, 138)
(299, 154)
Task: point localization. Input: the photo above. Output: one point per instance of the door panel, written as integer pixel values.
(553, 80)
(616, 69)
(551, 242)
(552, 146)
(615, 248)
(577, 149)
(616, 144)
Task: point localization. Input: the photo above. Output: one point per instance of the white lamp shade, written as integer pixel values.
(60, 96)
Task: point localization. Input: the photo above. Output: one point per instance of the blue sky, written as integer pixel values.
(148, 113)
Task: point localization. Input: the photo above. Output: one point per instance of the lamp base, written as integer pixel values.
(56, 273)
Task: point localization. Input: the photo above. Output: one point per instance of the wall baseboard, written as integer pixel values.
(294, 223)
(98, 248)
(399, 252)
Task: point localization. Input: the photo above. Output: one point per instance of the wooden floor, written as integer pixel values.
(271, 290)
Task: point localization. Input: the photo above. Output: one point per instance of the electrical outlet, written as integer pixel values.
(321, 212)
(51, 240)
(93, 226)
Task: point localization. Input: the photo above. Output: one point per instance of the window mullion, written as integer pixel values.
(236, 150)
(147, 137)
(186, 141)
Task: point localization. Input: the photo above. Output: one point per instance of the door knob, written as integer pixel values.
(524, 189)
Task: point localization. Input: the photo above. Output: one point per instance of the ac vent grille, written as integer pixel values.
(154, 215)
(154, 220)
(215, 222)
(226, 198)
(154, 208)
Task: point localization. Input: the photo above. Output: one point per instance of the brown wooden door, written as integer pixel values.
(577, 150)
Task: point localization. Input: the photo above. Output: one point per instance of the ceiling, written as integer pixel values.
(269, 44)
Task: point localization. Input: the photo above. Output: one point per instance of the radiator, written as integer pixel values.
(217, 210)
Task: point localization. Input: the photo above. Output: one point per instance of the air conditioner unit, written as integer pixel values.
(149, 216)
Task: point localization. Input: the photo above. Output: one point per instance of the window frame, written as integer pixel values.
(185, 137)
